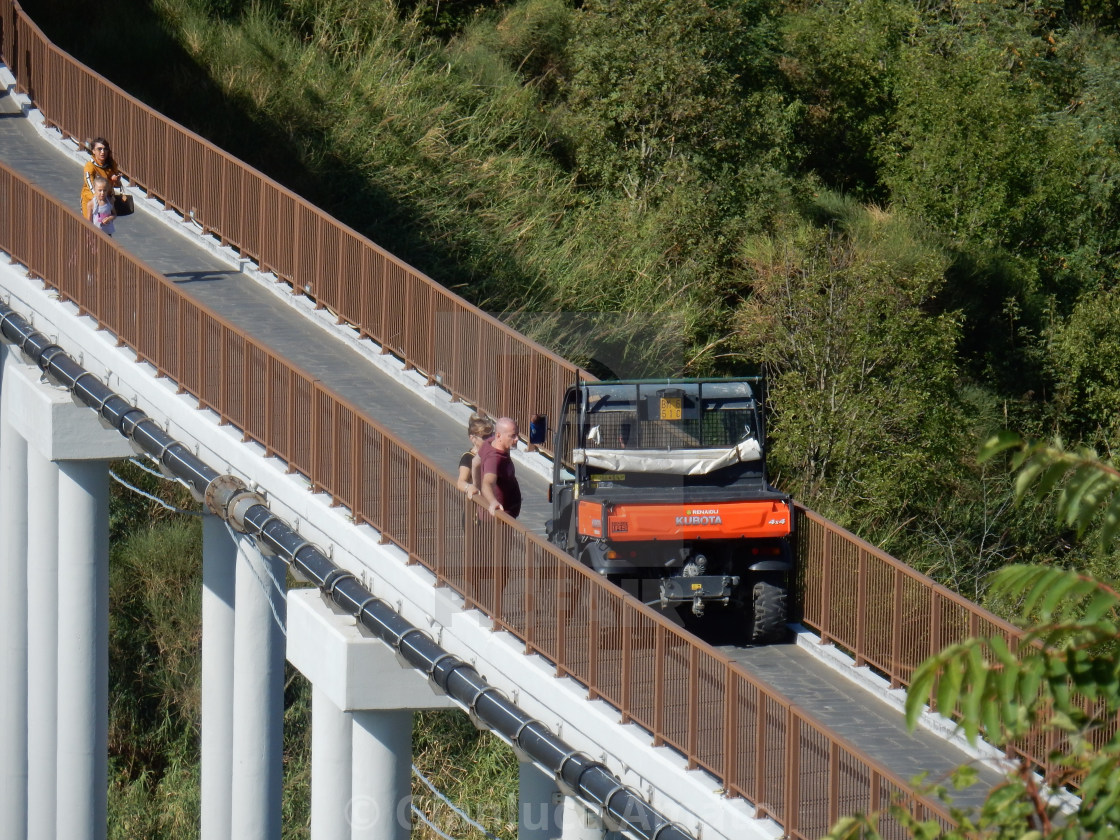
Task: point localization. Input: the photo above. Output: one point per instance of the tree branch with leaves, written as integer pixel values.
(1058, 683)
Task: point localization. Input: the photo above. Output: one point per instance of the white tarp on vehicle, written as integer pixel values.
(670, 462)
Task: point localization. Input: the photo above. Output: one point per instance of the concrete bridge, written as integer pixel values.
(319, 427)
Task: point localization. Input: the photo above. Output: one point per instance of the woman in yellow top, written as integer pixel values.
(101, 165)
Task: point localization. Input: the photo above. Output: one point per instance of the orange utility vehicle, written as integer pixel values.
(663, 483)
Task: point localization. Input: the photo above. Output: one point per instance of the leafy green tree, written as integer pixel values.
(1101, 12)
(840, 61)
(999, 142)
(972, 149)
(859, 363)
(1062, 679)
(1086, 255)
(1083, 362)
(661, 87)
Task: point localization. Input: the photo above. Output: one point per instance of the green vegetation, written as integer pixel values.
(1062, 680)
(155, 609)
(907, 215)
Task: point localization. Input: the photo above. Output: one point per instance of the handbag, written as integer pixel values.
(123, 204)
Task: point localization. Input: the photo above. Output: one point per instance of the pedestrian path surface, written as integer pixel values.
(224, 284)
(267, 312)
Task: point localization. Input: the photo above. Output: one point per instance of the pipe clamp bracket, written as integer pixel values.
(229, 498)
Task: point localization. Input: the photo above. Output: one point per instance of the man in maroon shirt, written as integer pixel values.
(499, 483)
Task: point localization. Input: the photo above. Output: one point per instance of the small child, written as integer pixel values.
(100, 209)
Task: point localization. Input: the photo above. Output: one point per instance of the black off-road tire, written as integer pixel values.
(771, 611)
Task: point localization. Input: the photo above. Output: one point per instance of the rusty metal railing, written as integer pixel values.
(472, 355)
(855, 596)
(888, 616)
(685, 693)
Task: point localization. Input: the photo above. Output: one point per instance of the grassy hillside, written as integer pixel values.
(906, 215)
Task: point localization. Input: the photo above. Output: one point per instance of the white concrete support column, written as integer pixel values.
(83, 650)
(331, 760)
(359, 688)
(258, 694)
(59, 430)
(539, 805)
(580, 823)
(42, 660)
(13, 610)
(381, 792)
(219, 564)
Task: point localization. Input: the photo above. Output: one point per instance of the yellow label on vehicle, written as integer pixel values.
(696, 586)
(670, 408)
(609, 477)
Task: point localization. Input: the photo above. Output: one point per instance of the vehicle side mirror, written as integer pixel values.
(538, 431)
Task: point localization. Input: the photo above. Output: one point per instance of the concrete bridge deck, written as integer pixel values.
(850, 701)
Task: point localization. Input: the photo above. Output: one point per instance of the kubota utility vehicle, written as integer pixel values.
(664, 483)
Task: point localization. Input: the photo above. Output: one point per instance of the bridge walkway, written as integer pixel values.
(268, 312)
(271, 315)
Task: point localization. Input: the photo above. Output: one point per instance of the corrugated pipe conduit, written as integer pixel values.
(227, 496)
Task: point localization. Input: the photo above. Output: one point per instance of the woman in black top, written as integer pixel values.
(478, 429)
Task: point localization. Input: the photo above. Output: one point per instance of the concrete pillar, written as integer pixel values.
(539, 806)
(331, 734)
(13, 609)
(219, 563)
(56, 429)
(381, 792)
(83, 650)
(360, 688)
(42, 661)
(258, 694)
